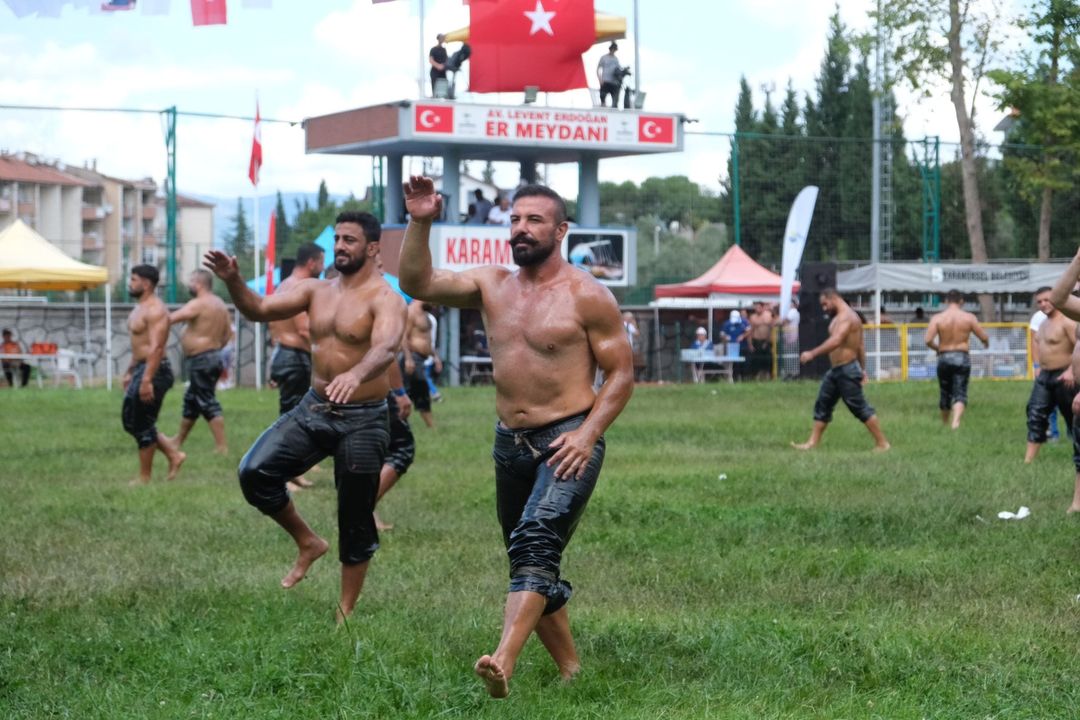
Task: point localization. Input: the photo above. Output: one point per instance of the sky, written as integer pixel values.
(304, 58)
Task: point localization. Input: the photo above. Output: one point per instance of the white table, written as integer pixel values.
(475, 367)
(701, 360)
(42, 361)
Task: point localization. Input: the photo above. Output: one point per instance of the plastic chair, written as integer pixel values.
(66, 367)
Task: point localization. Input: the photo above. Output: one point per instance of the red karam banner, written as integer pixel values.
(518, 43)
(460, 247)
(552, 127)
(209, 12)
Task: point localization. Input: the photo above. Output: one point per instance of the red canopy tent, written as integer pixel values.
(736, 279)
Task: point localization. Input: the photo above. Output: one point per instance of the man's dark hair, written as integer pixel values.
(1044, 288)
(147, 272)
(954, 296)
(544, 191)
(829, 292)
(309, 251)
(368, 222)
(478, 193)
(7, 331)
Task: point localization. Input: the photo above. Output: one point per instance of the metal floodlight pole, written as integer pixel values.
(170, 200)
(423, 57)
(637, 55)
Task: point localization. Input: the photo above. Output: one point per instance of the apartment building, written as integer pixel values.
(101, 219)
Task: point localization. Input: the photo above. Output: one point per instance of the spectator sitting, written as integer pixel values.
(13, 346)
(701, 342)
(500, 214)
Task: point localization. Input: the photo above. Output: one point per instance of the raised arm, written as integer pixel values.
(250, 304)
(415, 272)
(611, 348)
(931, 335)
(1061, 296)
(386, 332)
(157, 331)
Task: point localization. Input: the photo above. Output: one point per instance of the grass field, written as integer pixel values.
(836, 584)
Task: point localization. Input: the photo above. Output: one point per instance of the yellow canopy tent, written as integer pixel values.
(30, 262)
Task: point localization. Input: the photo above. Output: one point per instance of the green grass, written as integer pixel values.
(836, 584)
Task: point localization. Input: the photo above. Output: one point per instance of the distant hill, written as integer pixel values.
(225, 209)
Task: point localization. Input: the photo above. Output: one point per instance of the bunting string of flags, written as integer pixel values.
(203, 12)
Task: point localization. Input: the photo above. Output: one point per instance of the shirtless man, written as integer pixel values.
(149, 375)
(761, 327)
(290, 364)
(416, 349)
(845, 378)
(1054, 385)
(1062, 297)
(949, 335)
(356, 323)
(549, 327)
(206, 331)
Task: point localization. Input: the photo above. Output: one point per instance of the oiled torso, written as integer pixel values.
(542, 362)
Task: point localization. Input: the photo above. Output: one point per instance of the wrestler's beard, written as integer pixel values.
(193, 291)
(528, 252)
(135, 293)
(349, 267)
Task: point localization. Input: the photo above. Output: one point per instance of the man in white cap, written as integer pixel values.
(735, 330)
(701, 342)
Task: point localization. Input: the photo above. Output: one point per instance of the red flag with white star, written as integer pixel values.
(529, 42)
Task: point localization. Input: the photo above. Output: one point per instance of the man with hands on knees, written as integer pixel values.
(356, 322)
(549, 326)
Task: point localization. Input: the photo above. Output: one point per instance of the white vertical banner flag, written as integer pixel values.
(798, 227)
(154, 7)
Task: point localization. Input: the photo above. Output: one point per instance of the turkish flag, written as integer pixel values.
(529, 42)
(434, 119)
(270, 242)
(653, 129)
(256, 150)
(209, 12)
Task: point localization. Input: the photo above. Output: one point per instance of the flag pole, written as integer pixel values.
(258, 325)
(423, 55)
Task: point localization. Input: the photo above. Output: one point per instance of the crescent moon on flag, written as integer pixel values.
(428, 119)
(650, 129)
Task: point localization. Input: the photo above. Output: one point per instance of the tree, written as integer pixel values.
(324, 196)
(1046, 96)
(239, 240)
(283, 231)
(934, 39)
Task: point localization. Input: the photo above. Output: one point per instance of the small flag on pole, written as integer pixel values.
(270, 242)
(256, 149)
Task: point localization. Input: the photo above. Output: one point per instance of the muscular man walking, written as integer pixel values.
(1062, 297)
(549, 327)
(949, 335)
(761, 328)
(416, 349)
(149, 375)
(844, 380)
(206, 331)
(290, 364)
(1054, 385)
(356, 323)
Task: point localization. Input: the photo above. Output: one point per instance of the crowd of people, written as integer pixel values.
(349, 359)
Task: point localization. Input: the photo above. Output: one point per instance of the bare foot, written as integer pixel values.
(1070, 511)
(175, 462)
(882, 448)
(493, 677)
(308, 555)
(803, 446)
(569, 673)
(137, 481)
(221, 451)
(303, 482)
(293, 487)
(380, 525)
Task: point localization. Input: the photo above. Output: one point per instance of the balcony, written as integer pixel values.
(149, 212)
(92, 242)
(93, 212)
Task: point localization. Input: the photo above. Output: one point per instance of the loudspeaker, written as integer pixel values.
(287, 266)
(813, 321)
